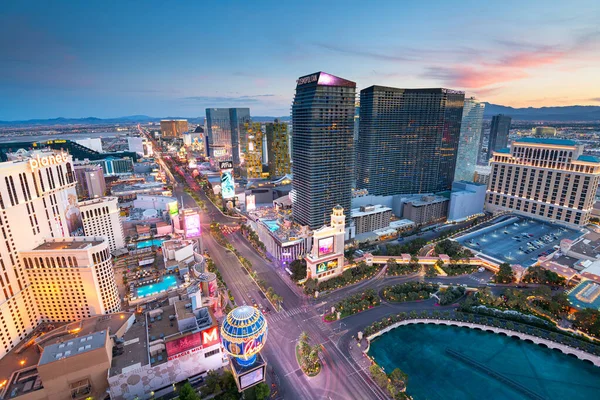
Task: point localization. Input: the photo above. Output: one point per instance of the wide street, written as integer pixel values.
(341, 377)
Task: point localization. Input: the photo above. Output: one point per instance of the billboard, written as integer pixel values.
(173, 208)
(227, 184)
(325, 246)
(212, 288)
(191, 224)
(250, 202)
(251, 378)
(183, 344)
(326, 266)
(73, 215)
(225, 165)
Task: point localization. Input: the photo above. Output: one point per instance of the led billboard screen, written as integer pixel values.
(326, 266)
(182, 344)
(173, 208)
(250, 202)
(192, 225)
(227, 184)
(251, 378)
(325, 246)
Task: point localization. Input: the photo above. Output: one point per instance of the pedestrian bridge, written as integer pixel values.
(580, 354)
(426, 260)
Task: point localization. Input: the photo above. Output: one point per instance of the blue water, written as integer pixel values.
(168, 282)
(272, 224)
(149, 243)
(420, 351)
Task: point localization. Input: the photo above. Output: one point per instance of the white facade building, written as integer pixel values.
(549, 179)
(466, 200)
(91, 143)
(72, 278)
(37, 201)
(370, 218)
(101, 217)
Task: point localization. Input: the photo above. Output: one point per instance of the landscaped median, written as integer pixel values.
(307, 356)
(354, 304)
(349, 277)
(409, 291)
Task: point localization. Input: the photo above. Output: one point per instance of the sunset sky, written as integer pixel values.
(159, 58)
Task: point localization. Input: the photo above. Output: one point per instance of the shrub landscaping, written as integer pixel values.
(409, 291)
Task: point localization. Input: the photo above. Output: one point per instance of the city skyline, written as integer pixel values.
(143, 64)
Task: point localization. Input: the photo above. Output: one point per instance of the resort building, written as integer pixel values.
(101, 217)
(426, 210)
(278, 149)
(549, 179)
(37, 201)
(173, 128)
(90, 181)
(72, 278)
(370, 218)
(251, 146)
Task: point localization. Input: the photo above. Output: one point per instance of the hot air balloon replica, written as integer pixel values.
(243, 335)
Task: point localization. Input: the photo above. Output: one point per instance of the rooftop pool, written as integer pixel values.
(423, 352)
(271, 224)
(168, 282)
(149, 243)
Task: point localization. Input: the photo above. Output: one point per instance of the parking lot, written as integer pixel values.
(518, 240)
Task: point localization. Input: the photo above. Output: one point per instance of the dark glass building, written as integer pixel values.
(498, 133)
(278, 153)
(323, 147)
(224, 129)
(408, 139)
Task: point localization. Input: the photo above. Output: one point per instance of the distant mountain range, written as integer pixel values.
(130, 119)
(542, 114)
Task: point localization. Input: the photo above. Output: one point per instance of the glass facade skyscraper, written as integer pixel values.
(498, 133)
(224, 128)
(323, 147)
(470, 137)
(278, 154)
(408, 139)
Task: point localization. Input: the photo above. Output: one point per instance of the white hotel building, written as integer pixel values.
(101, 217)
(548, 179)
(37, 202)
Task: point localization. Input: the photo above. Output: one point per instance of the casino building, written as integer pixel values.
(326, 259)
(38, 202)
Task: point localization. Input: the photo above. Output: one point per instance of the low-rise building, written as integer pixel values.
(370, 218)
(426, 210)
(179, 254)
(466, 200)
(326, 258)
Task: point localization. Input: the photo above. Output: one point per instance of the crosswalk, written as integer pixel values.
(280, 316)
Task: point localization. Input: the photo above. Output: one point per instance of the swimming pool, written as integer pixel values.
(271, 224)
(148, 243)
(167, 283)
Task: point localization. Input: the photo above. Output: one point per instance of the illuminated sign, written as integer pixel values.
(225, 164)
(250, 202)
(307, 79)
(325, 246)
(173, 208)
(182, 344)
(251, 378)
(227, 184)
(212, 288)
(191, 224)
(38, 161)
(210, 336)
(326, 266)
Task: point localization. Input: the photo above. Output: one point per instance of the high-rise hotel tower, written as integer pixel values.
(323, 147)
(550, 179)
(38, 213)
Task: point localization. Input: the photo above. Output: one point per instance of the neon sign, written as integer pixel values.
(37, 162)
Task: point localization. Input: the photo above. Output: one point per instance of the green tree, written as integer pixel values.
(262, 391)
(505, 274)
(187, 392)
(298, 268)
(379, 377)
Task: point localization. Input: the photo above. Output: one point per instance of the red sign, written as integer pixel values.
(183, 344)
(210, 336)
